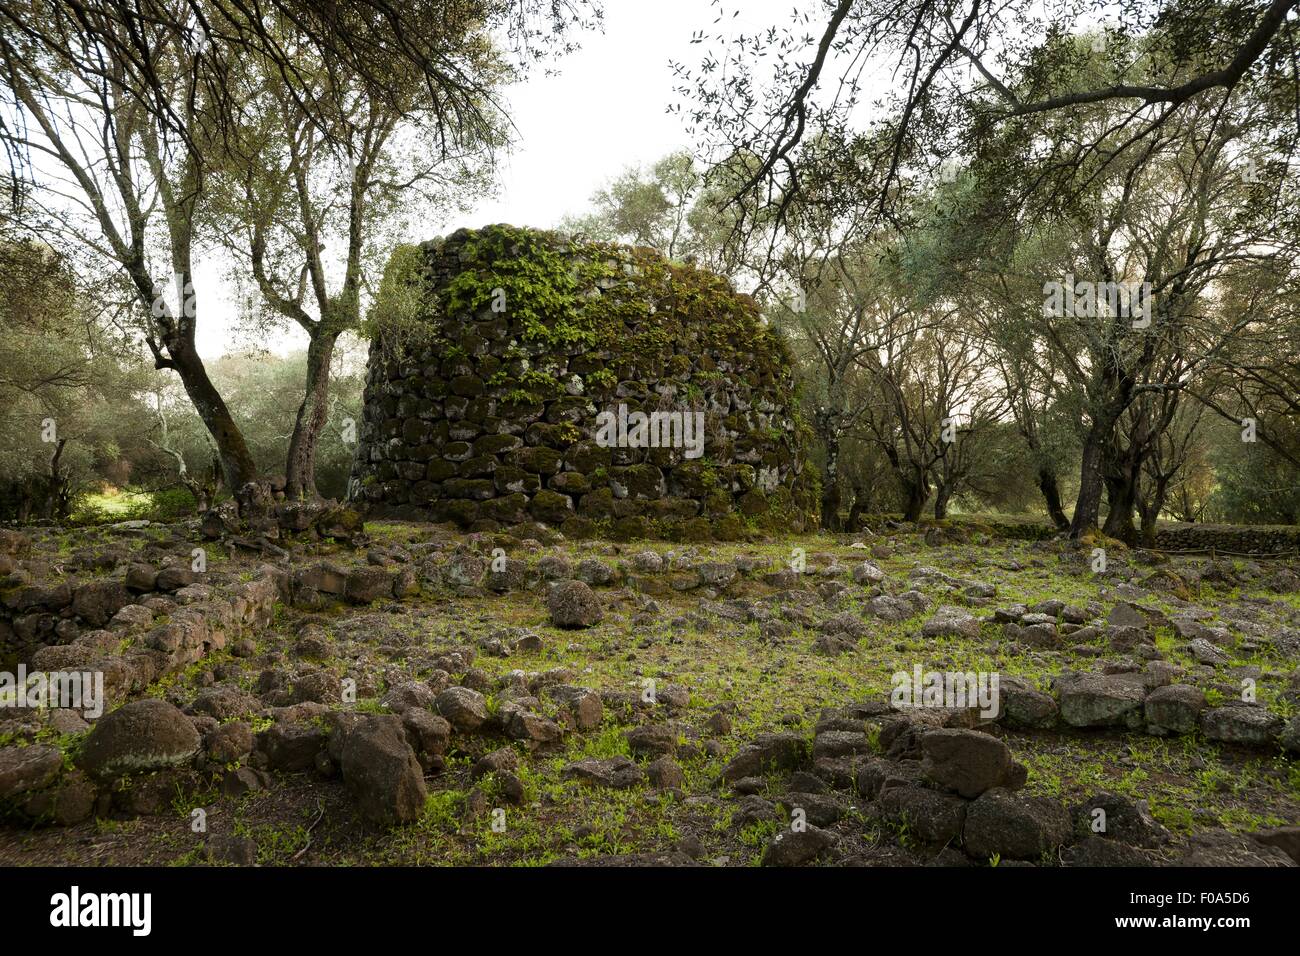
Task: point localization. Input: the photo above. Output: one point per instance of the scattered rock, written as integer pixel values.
(647, 562)
(290, 746)
(1173, 709)
(466, 709)
(933, 816)
(572, 604)
(97, 601)
(147, 734)
(380, 770)
(1207, 653)
(1238, 723)
(1125, 614)
(1221, 848)
(867, 573)
(840, 743)
(767, 751)
(951, 621)
(665, 774)
(1097, 851)
(28, 768)
(1117, 817)
(798, 847)
(410, 695)
(1284, 838)
(618, 773)
(225, 703)
(229, 742)
(1023, 705)
(969, 762)
(1020, 828)
(1103, 700)
(652, 739)
(227, 848)
(592, 572)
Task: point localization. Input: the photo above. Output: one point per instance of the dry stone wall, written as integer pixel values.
(1231, 539)
(519, 376)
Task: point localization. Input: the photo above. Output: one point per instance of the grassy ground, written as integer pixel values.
(762, 683)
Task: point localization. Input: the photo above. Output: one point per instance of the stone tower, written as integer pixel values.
(520, 376)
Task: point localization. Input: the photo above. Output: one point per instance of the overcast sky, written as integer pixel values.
(603, 112)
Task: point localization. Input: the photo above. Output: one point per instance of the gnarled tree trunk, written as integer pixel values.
(1051, 489)
(941, 498)
(237, 467)
(916, 491)
(1091, 481)
(300, 466)
(861, 506)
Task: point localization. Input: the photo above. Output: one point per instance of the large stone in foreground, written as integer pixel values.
(1250, 724)
(464, 708)
(143, 735)
(573, 604)
(1174, 709)
(380, 770)
(969, 762)
(27, 768)
(1103, 700)
(1005, 825)
(932, 816)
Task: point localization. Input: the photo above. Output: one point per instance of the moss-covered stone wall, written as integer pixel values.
(497, 355)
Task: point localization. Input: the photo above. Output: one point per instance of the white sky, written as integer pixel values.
(575, 131)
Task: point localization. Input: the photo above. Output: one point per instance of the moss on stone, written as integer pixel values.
(524, 335)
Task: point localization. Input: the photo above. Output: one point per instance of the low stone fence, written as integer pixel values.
(1230, 539)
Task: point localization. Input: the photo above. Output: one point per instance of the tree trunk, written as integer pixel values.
(55, 497)
(915, 493)
(1088, 506)
(205, 489)
(237, 467)
(941, 501)
(861, 506)
(1051, 489)
(300, 467)
(1149, 510)
(1121, 495)
(1148, 518)
(26, 498)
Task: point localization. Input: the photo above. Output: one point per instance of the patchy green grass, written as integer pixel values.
(766, 683)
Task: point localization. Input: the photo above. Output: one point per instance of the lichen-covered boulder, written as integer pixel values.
(143, 735)
(573, 604)
(1103, 700)
(518, 375)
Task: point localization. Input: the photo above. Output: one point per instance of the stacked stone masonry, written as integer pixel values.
(483, 402)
